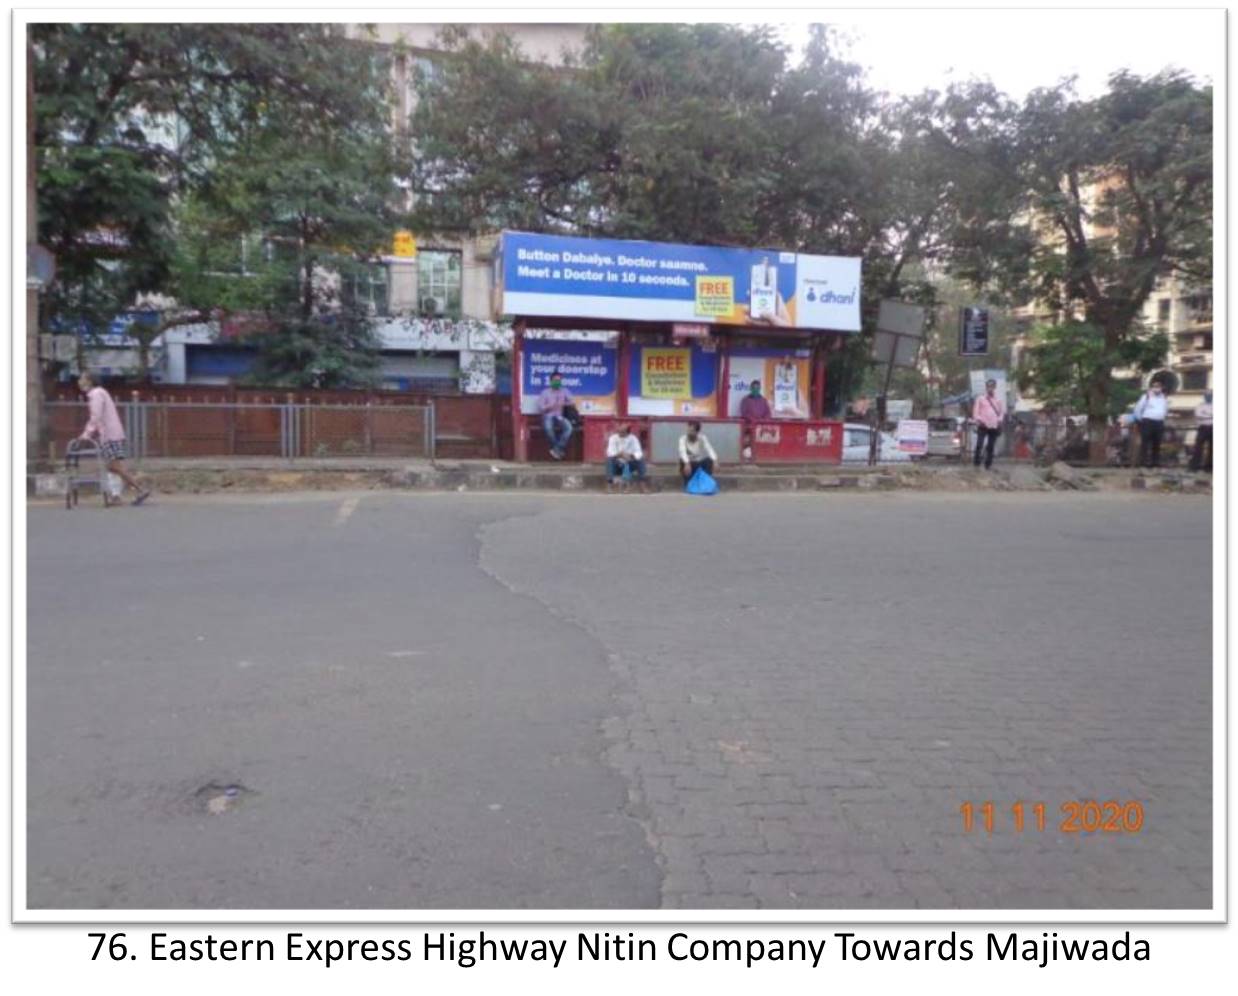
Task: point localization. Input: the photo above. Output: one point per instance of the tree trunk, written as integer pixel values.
(307, 290)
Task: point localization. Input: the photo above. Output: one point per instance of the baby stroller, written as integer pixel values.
(93, 475)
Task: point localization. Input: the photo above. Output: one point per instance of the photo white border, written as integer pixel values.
(756, 917)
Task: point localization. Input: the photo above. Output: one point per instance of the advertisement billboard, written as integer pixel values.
(673, 380)
(589, 371)
(564, 276)
(785, 377)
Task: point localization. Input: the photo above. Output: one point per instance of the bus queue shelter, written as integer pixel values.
(656, 334)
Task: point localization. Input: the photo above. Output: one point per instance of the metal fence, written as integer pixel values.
(188, 429)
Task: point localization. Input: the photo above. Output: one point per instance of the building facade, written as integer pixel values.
(431, 298)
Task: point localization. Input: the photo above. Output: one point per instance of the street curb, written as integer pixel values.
(208, 480)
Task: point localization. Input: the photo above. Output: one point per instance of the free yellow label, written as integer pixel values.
(715, 297)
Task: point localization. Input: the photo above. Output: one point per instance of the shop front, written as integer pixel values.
(656, 334)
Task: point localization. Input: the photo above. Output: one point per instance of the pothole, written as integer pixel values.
(218, 798)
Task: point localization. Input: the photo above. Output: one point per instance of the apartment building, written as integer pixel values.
(433, 301)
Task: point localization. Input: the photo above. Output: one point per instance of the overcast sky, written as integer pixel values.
(905, 51)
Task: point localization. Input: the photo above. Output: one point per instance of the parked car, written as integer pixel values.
(856, 439)
(947, 437)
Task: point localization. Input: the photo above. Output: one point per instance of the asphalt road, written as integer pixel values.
(445, 701)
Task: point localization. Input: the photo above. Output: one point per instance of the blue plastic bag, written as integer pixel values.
(701, 483)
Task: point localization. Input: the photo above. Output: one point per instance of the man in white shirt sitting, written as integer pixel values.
(1151, 412)
(623, 452)
(694, 452)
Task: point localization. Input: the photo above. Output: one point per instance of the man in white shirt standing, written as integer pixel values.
(1203, 435)
(695, 451)
(1150, 412)
(623, 452)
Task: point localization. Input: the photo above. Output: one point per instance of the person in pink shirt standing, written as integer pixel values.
(987, 412)
(104, 426)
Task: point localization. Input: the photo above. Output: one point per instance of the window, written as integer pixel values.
(369, 289)
(1195, 380)
(1203, 342)
(1199, 308)
(1162, 310)
(858, 437)
(438, 283)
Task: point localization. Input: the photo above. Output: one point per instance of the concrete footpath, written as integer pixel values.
(266, 474)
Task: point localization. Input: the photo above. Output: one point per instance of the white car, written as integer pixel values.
(856, 438)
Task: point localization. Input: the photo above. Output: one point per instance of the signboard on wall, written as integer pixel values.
(589, 371)
(553, 275)
(403, 245)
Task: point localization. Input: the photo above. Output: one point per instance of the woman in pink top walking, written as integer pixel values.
(104, 425)
(988, 413)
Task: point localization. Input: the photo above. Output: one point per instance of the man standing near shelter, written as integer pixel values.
(752, 409)
(987, 413)
(695, 451)
(104, 426)
(623, 452)
(550, 403)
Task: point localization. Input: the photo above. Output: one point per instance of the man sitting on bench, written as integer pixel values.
(695, 451)
(550, 403)
(623, 452)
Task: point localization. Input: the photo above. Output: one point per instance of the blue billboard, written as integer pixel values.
(589, 370)
(565, 276)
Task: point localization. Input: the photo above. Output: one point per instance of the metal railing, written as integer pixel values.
(190, 429)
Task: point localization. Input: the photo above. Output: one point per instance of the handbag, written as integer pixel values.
(572, 415)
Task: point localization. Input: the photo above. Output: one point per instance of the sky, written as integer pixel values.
(905, 51)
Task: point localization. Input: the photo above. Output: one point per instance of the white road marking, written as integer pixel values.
(346, 510)
(405, 653)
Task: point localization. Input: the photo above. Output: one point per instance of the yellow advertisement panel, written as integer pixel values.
(715, 297)
(666, 373)
(404, 245)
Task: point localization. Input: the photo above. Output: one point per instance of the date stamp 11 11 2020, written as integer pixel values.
(1073, 816)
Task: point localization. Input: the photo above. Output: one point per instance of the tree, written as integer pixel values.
(1116, 195)
(134, 120)
(1063, 358)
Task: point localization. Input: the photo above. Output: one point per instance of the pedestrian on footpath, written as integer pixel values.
(1150, 412)
(988, 413)
(1203, 435)
(104, 426)
(551, 403)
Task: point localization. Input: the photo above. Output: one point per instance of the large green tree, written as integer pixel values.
(1115, 195)
(160, 145)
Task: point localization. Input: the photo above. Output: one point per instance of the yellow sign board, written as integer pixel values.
(715, 297)
(666, 373)
(404, 245)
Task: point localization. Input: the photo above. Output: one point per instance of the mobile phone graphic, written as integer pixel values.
(763, 290)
